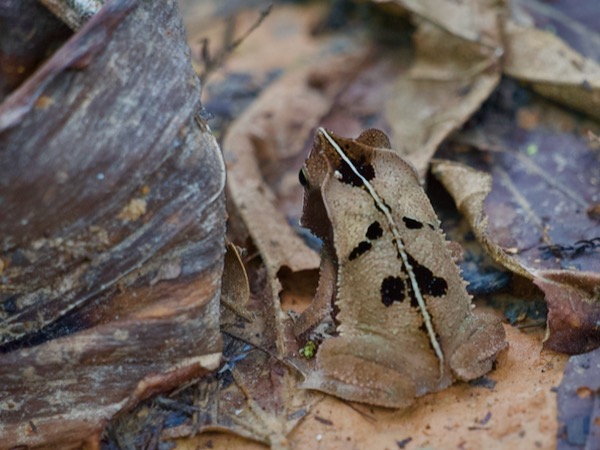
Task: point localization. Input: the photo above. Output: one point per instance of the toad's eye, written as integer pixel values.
(302, 177)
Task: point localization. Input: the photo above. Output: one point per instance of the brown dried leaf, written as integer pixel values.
(439, 93)
(457, 66)
(573, 309)
(471, 20)
(552, 68)
(235, 290)
(255, 393)
(577, 397)
(563, 66)
(572, 297)
(575, 23)
(469, 188)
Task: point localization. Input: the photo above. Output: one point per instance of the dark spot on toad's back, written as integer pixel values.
(427, 282)
(362, 247)
(392, 290)
(364, 168)
(413, 298)
(374, 231)
(412, 224)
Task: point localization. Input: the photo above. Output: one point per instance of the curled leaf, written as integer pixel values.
(469, 188)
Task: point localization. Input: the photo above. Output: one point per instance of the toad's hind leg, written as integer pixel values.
(345, 369)
(475, 356)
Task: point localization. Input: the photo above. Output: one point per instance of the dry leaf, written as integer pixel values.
(235, 290)
(577, 398)
(469, 188)
(573, 299)
(552, 68)
(471, 20)
(530, 52)
(439, 93)
(254, 394)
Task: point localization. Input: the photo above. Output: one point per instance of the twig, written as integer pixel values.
(210, 64)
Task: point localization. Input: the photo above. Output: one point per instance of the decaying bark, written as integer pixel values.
(112, 228)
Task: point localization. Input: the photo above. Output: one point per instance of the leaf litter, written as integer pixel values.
(522, 171)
